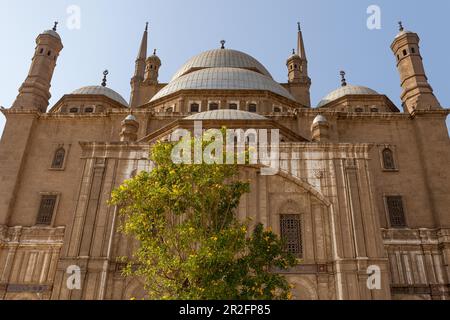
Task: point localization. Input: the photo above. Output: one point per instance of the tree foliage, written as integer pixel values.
(191, 244)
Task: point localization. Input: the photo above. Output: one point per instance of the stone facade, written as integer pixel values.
(342, 165)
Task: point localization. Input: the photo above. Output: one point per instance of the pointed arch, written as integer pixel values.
(59, 158)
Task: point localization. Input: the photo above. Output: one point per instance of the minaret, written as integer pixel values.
(417, 92)
(299, 81)
(139, 72)
(153, 64)
(34, 94)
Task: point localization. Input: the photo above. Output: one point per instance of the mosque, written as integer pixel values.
(362, 193)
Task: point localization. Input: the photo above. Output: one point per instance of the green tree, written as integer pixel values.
(192, 245)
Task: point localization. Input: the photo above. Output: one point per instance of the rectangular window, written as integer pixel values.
(291, 234)
(213, 106)
(252, 107)
(396, 211)
(46, 209)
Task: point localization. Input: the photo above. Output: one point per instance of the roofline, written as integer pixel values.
(94, 96)
(222, 92)
(390, 104)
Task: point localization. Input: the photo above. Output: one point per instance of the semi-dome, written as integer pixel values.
(222, 58)
(100, 90)
(226, 114)
(346, 90)
(223, 79)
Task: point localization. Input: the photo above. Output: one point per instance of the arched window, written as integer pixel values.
(89, 110)
(277, 109)
(73, 110)
(388, 159)
(195, 107)
(252, 107)
(58, 158)
(233, 106)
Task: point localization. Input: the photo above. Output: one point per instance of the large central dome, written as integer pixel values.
(222, 58)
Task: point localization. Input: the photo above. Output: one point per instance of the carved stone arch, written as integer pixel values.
(305, 185)
(289, 206)
(304, 289)
(301, 183)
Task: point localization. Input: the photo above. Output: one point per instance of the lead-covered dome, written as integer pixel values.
(222, 58)
(100, 90)
(223, 79)
(344, 91)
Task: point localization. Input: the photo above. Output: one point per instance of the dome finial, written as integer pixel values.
(343, 81)
(154, 52)
(293, 51)
(222, 42)
(105, 73)
(299, 27)
(400, 24)
(55, 26)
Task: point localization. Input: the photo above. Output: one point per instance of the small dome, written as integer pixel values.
(320, 119)
(222, 58)
(155, 58)
(100, 90)
(130, 117)
(52, 33)
(401, 33)
(344, 91)
(294, 56)
(223, 79)
(226, 114)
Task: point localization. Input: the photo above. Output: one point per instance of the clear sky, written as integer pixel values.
(335, 32)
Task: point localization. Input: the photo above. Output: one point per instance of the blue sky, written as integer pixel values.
(335, 32)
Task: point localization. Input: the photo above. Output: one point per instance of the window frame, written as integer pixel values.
(191, 103)
(388, 213)
(393, 149)
(301, 253)
(213, 103)
(42, 195)
(251, 104)
(57, 147)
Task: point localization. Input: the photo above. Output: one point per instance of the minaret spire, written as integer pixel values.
(142, 55)
(139, 72)
(300, 43)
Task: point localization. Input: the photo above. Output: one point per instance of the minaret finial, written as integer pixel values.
(299, 27)
(105, 73)
(343, 81)
(55, 26)
(146, 26)
(400, 24)
(222, 42)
